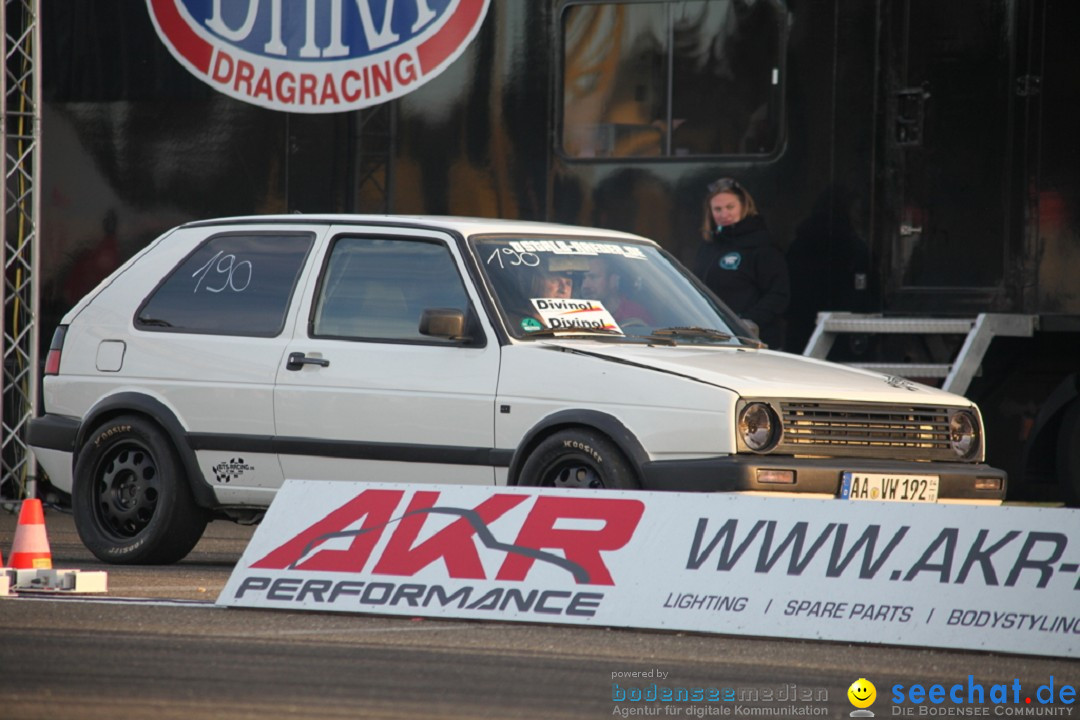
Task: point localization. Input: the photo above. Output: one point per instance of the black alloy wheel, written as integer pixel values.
(578, 458)
(131, 498)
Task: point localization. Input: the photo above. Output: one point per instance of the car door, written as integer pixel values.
(207, 341)
(362, 394)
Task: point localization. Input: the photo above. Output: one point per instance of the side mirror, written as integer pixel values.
(446, 323)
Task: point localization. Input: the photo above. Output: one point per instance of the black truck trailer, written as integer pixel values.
(917, 160)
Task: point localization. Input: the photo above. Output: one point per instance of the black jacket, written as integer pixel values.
(743, 266)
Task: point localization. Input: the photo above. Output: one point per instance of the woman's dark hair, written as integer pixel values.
(725, 185)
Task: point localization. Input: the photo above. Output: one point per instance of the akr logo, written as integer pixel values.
(459, 545)
(316, 56)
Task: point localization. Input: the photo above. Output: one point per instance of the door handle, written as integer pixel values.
(298, 360)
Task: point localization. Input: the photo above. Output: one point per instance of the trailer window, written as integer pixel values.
(669, 79)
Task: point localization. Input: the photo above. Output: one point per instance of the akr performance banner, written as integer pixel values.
(983, 578)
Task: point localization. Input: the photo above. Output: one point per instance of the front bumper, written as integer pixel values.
(739, 473)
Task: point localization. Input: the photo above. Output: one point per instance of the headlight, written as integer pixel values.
(964, 433)
(759, 428)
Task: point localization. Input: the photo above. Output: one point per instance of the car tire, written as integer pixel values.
(131, 498)
(578, 458)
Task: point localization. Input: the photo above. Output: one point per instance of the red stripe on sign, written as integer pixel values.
(450, 37)
(183, 38)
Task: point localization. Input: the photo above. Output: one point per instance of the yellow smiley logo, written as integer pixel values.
(862, 693)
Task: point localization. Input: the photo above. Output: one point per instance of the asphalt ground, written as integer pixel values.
(155, 646)
(200, 576)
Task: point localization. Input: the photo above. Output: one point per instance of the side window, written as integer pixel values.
(672, 79)
(377, 289)
(235, 284)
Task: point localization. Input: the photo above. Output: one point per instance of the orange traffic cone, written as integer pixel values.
(30, 551)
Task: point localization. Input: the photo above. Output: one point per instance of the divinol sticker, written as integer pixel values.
(316, 56)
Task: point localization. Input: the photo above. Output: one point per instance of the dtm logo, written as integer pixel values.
(316, 56)
(362, 521)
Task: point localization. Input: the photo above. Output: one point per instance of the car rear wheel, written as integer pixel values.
(578, 458)
(131, 499)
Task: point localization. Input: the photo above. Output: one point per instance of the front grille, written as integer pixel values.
(902, 432)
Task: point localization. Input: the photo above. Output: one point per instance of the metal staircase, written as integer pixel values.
(979, 331)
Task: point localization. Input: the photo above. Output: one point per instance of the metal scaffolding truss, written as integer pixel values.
(20, 208)
(373, 168)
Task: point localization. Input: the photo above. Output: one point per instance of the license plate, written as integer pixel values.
(882, 486)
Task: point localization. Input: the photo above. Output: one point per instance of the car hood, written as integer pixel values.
(765, 373)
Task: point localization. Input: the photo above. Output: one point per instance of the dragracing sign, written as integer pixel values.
(316, 56)
(1003, 579)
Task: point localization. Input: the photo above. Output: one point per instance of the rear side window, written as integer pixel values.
(234, 284)
(377, 289)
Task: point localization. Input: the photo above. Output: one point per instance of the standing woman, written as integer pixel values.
(739, 261)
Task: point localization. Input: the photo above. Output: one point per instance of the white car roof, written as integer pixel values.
(464, 225)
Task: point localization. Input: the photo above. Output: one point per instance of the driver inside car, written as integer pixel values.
(602, 282)
(553, 284)
(553, 278)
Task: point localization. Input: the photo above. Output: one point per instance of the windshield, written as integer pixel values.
(601, 288)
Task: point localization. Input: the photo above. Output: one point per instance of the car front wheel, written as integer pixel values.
(131, 499)
(578, 458)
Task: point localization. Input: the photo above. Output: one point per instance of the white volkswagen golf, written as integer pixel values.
(232, 354)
